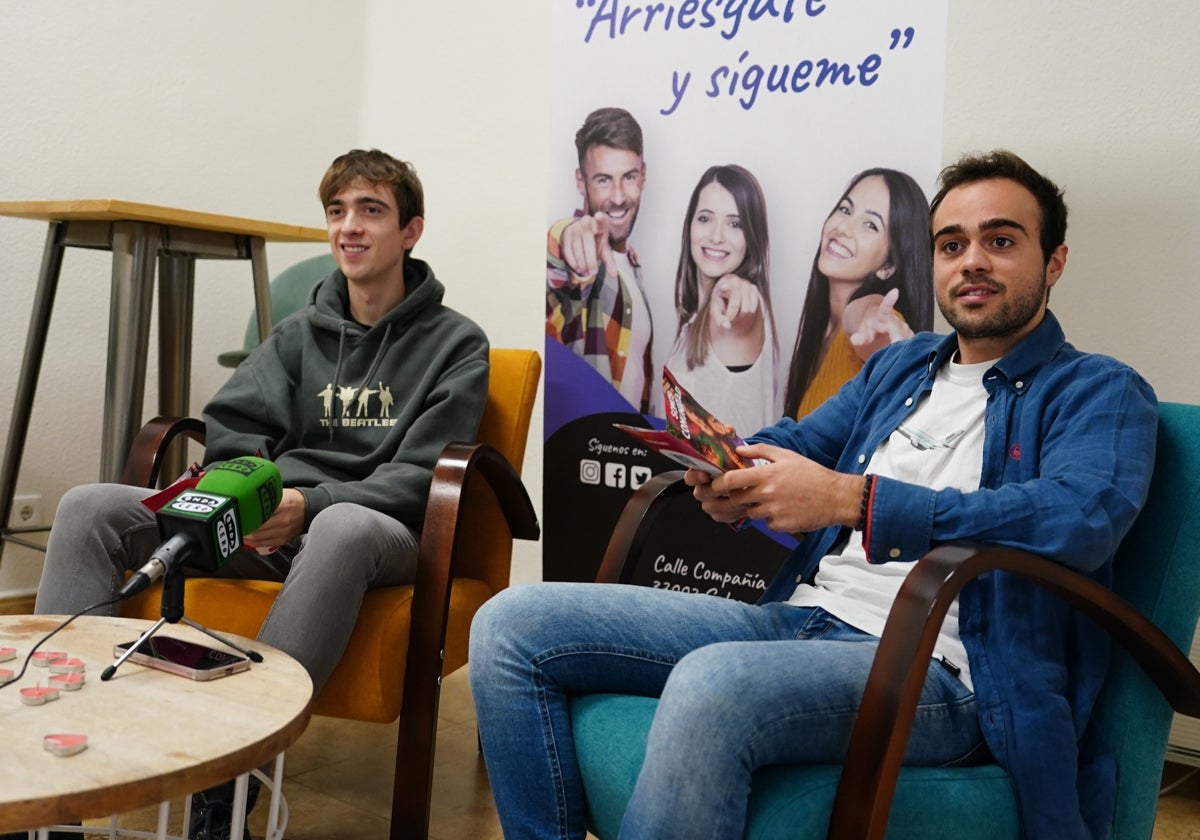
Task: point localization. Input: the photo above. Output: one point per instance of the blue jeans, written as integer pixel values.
(737, 692)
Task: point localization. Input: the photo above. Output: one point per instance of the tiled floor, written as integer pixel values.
(339, 782)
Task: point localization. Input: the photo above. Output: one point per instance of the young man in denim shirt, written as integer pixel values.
(1001, 432)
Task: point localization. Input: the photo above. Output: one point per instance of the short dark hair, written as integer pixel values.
(1002, 163)
(613, 127)
(376, 167)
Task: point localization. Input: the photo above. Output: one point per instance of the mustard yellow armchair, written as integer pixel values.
(459, 569)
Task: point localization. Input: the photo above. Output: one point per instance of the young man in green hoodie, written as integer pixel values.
(409, 376)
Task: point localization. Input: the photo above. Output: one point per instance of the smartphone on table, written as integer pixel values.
(188, 659)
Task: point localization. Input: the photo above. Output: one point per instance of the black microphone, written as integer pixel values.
(203, 527)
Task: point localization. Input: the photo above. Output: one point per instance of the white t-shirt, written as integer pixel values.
(745, 399)
(939, 445)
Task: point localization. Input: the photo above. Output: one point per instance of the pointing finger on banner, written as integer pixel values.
(578, 246)
(888, 305)
(585, 245)
(603, 246)
(882, 321)
(733, 297)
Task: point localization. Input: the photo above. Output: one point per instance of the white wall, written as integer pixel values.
(237, 108)
(222, 106)
(460, 93)
(1102, 97)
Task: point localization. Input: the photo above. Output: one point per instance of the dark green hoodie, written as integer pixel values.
(357, 414)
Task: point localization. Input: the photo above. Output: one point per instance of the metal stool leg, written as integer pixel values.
(176, 287)
(262, 286)
(134, 248)
(31, 366)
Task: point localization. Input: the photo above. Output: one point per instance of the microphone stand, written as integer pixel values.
(172, 613)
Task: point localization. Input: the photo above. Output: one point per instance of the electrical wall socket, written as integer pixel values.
(26, 511)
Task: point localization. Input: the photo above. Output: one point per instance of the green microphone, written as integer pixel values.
(203, 527)
(255, 484)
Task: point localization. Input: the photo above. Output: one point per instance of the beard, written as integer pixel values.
(618, 233)
(1009, 317)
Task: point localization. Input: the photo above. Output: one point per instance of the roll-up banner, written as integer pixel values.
(738, 195)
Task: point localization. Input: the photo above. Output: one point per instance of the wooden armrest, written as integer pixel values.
(456, 468)
(150, 444)
(881, 730)
(638, 519)
(458, 464)
(453, 471)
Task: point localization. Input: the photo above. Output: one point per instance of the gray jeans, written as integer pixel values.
(102, 530)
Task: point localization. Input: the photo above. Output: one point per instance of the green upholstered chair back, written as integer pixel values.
(289, 292)
(1158, 572)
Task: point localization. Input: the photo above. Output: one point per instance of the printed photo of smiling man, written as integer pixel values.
(595, 303)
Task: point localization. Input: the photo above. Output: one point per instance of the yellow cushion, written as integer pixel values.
(368, 682)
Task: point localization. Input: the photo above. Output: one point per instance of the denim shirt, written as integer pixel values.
(1067, 457)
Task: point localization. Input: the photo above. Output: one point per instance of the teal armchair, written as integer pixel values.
(1151, 615)
(289, 292)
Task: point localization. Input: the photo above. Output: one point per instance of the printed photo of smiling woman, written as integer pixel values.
(871, 284)
(725, 350)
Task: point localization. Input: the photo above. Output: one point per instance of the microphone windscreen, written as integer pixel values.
(254, 482)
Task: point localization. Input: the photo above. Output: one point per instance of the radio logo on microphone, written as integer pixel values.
(227, 534)
(197, 504)
(268, 498)
(245, 466)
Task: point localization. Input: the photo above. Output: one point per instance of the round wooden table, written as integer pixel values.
(152, 736)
